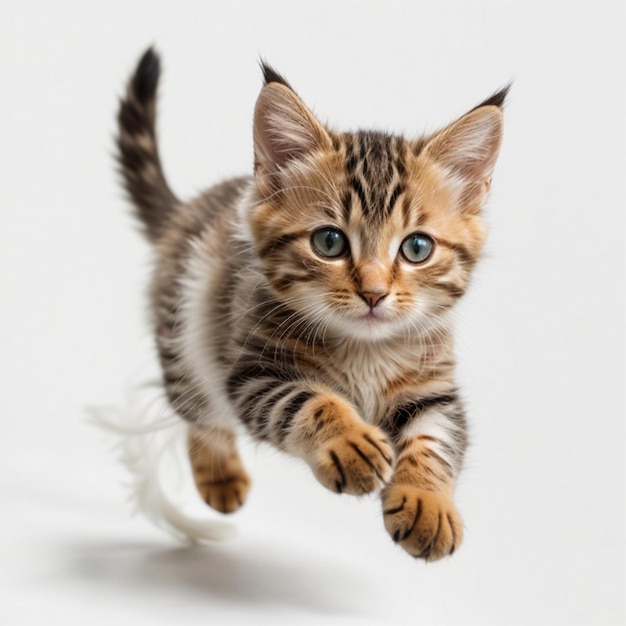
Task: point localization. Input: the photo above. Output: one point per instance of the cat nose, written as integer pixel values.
(372, 298)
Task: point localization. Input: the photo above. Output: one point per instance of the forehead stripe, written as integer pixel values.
(373, 162)
(397, 190)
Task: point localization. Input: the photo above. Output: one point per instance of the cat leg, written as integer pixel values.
(219, 474)
(418, 509)
(307, 420)
(218, 471)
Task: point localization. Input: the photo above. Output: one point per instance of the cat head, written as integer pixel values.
(371, 235)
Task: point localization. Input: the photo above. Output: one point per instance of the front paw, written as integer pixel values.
(358, 461)
(425, 523)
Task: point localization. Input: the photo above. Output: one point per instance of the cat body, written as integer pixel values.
(309, 302)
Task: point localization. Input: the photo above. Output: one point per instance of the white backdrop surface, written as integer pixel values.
(540, 334)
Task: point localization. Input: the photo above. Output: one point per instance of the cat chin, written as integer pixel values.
(372, 329)
(369, 329)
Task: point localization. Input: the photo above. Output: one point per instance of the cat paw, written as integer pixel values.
(358, 461)
(225, 493)
(219, 474)
(425, 523)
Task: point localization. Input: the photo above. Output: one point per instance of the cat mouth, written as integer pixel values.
(369, 325)
(372, 317)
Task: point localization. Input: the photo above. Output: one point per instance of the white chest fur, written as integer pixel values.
(367, 370)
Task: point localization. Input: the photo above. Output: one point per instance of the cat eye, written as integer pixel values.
(417, 248)
(329, 242)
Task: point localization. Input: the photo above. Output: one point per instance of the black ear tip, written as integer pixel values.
(146, 75)
(497, 99)
(270, 75)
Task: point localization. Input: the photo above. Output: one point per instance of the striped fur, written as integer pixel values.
(346, 362)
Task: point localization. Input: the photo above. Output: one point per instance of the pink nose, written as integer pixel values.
(372, 298)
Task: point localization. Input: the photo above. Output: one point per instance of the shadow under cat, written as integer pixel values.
(245, 576)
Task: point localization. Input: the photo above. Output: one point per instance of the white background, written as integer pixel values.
(540, 335)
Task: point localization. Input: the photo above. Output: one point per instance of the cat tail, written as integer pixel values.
(138, 154)
(150, 446)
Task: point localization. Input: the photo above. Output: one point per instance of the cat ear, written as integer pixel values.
(468, 148)
(285, 131)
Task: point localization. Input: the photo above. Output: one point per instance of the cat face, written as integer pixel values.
(368, 235)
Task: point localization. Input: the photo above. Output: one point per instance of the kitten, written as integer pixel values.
(309, 302)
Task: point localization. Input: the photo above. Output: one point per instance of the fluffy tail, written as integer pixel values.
(138, 154)
(151, 446)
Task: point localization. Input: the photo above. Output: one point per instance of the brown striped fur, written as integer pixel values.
(346, 361)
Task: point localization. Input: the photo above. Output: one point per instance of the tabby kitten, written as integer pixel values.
(310, 301)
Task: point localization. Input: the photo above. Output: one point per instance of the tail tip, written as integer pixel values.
(146, 78)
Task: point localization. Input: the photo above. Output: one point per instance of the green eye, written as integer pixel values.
(329, 242)
(417, 248)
